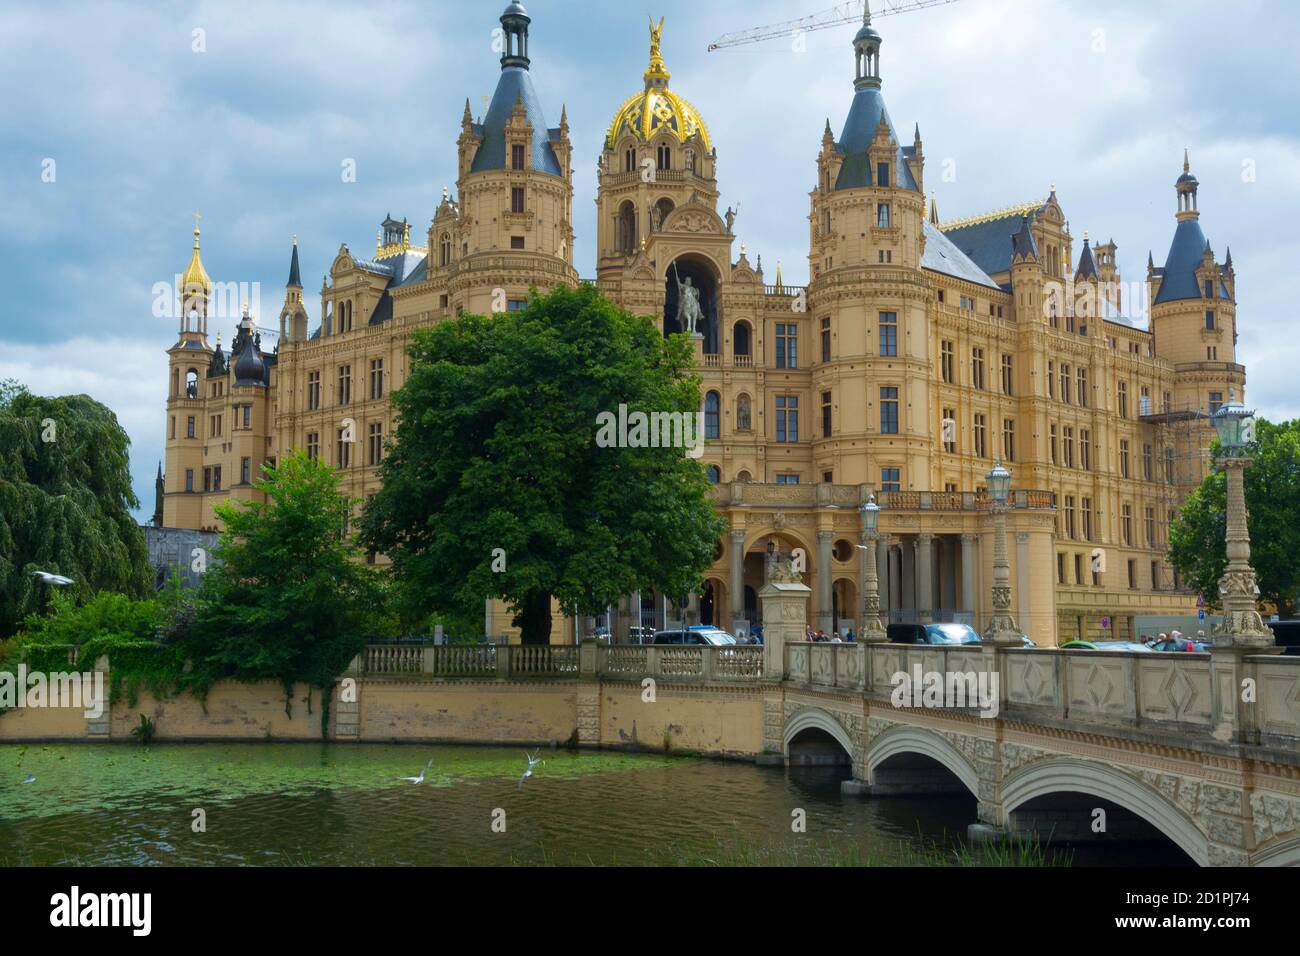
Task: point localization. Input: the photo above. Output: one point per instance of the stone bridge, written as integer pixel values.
(1203, 749)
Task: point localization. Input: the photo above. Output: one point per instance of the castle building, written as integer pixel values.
(920, 354)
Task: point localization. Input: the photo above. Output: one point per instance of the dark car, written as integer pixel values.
(696, 636)
(933, 634)
(1288, 635)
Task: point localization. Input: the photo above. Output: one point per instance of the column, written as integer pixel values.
(925, 578)
(825, 616)
(895, 577)
(969, 604)
(1022, 579)
(737, 544)
(883, 552)
(907, 561)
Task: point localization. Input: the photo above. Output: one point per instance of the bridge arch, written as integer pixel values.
(901, 741)
(814, 718)
(1072, 775)
(1285, 852)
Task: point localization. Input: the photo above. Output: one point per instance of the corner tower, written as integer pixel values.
(514, 217)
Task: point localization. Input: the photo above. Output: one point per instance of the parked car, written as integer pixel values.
(1182, 645)
(933, 634)
(1104, 646)
(696, 636)
(1078, 646)
(1288, 635)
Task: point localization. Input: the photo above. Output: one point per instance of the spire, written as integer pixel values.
(514, 25)
(934, 211)
(1087, 265)
(866, 46)
(656, 74)
(195, 281)
(780, 283)
(1187, 187)
(1022, 243)
(295, 279)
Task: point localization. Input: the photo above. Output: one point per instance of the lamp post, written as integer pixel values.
(1002, 630)
(1242, 627)
(872, 630)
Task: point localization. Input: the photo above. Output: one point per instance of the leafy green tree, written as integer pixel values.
(1197, 541)
(288, 598)
(496, 485)
(65, 503)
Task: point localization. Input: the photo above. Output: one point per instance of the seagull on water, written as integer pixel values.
(420, 778)
(56, 579)
(533, 761)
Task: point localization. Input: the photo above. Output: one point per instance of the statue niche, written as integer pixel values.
(692, 274)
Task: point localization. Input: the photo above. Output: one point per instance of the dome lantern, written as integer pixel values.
(657, 108)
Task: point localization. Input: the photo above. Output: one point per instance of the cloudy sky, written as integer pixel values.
(250, 119)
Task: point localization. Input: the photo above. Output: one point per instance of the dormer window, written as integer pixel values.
(882, 175)
(445, 249)
(517, 156)
(1209, 288)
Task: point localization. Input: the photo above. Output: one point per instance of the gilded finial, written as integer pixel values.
(196, 278)
(658, 70)
(1187, 160)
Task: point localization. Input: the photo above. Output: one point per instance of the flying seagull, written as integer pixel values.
(420, 778)
(30, 778)
(533, 761)
(56, 579)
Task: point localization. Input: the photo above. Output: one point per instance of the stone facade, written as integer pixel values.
(920, 353)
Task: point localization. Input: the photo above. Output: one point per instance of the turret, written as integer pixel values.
(293, 317)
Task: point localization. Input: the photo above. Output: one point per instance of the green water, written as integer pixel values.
(340, 805)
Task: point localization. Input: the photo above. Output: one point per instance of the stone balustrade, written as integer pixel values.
(617, 662)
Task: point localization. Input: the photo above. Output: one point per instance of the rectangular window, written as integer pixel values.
(1008, 440)
(1149, 516)
(216, 478)
(517, 156)
(981, 437)
(1126, 524)
(343, 458)
(1132, 575)
(787, 346)
(245, 470)
(826, 340)
(517, 199)
(1052, 443)
(376, 379)
(787, 419)
(889, 411)
(1085, 449)
(1216, 402)
(826, 414)
(882, 175)
(949, 428)
(376, 444)
(1078, 569)
(313, 391)
(1065, 383)
(946, 364)
(1051, 380)
(189, 479)
(248, 414)
(1123, 399)
(1123, 458)
(313, 445)
(891, 479)
(1085, 512)
(1083, 387)
(207, 479)
(1148, 463)
(1069, 516)
(1068, 442)
(189, 427)
(516, 242)
(888, 333)
(1060, 568)
(882, 215)
(1209, 321)
(977, 368)
(345, 385)
(1008, 375)
(787, 479)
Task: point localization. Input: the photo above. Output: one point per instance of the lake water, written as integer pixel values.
(345, 805)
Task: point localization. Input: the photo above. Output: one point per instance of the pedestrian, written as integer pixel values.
(849, 636)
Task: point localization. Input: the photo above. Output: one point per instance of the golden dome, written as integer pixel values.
(196, 277)
(657, 108)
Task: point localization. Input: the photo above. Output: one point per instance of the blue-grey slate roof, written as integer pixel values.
(859, 130)
(942, 256)
(515, 84)
(988, 244)
(1185, 255)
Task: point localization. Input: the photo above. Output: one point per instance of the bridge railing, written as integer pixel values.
(1104, 688)
(741, 664)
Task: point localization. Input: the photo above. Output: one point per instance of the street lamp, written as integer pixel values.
(1242, 627)
(872, 630)
(1002, 630)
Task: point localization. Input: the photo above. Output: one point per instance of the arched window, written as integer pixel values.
(192, 383)
(446, 249)
(715, 475)
(665, 157)
(627, 233)
(629, 160)
(713, 415)
(744, 478)
(740, 338)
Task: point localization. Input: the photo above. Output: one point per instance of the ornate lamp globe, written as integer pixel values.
(1235, 426)
(870, 515)
(999, 480)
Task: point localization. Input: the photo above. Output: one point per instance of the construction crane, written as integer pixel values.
(850, 12)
